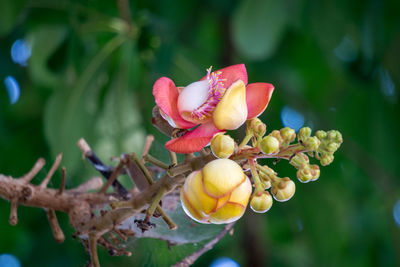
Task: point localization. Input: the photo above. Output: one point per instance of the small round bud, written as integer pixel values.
(267, 184)
(320, 134)
(259, 128)
(261, 202)
(288, 134)
(222, 145)
(332, 147)
(305, 175)
(312, 143)
(315, 172)
(335, 136)
(269, 145)
(277, 135)
(326, 159)
(284, 190)
(304, 133)
(300, 161)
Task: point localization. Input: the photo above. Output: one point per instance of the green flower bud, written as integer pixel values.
(269, 145)
(320, 134)
(311, 143)
(284, 190)
(332, 147)
(259, 128)
(299, 161)
(304, 133)
(222, 145)
(277, 135)
(288, 134)
(335, 136)
(261, 202)
(326, 159)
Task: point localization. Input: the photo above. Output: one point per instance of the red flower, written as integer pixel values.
(222, 100)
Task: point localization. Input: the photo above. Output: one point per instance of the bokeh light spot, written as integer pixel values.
(396, 212)
(299, 224)
(8, 260)
(13, 89)
(346, 50)
(292, 118)
(224, 262)
(387, 86)
(21, 52)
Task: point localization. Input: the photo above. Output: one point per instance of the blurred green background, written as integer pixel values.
(71, 69)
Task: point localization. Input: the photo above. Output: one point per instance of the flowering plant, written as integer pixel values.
(215, 184)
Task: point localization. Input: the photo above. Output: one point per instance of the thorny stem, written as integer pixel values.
(155, 161)
(113, 177)
(147, 145)
(172, 157)
(63, 177)
(93, 250)
(143, 168)
(154, 205)
(167, 219)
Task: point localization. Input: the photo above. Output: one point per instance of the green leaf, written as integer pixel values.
(188, 230)
(9, 13)
(44, 42)
(258, 26)
(71, 112)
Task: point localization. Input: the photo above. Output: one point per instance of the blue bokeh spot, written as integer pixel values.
(292, 118)
(20, 52)
(224, 262)
(13, 89)
(8, 260)
(396, 212)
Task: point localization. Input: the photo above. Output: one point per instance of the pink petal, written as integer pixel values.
(257, 98)
(232, 74)
(195, 140)
(166, 97)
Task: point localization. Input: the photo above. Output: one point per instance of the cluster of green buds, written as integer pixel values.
(278, 144)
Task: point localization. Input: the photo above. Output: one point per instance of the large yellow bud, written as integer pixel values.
(222, 145)
(217, 194)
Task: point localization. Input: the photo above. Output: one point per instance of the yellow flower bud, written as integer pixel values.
(305, 174)
(320, 134)
(304, 133)
(231, 112)
(217, 194)
(288, 134)
(269, 145)
(261, 202)
(332, 147)
(312, 143)
(284, 190)
(326, 159)
(300, 160)
(222, 145)
(277, 135)
(315, 172)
